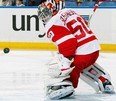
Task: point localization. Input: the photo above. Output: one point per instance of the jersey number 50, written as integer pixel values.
(78, 28)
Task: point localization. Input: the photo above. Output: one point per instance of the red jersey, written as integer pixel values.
(69, 31)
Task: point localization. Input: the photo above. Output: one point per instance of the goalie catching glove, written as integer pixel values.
(59, 66)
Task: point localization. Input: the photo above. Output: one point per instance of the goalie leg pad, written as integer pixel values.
(89, 81)
(60, 90)
(95, 73)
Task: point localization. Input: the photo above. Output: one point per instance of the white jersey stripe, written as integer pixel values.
(65, 38)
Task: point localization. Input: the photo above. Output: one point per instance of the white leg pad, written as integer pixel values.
(91, 76)
(90, 81)
(60, 90)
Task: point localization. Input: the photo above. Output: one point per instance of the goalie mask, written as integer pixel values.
(45, 11)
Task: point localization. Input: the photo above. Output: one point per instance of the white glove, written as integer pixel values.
(59, 66)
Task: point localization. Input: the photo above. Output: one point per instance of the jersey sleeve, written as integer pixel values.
(62, 37)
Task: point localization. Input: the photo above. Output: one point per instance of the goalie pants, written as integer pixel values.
(81, 62)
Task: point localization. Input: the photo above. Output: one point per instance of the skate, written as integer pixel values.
(108, 87)
(60, 90)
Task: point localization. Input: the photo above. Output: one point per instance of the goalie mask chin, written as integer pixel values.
(45, 11)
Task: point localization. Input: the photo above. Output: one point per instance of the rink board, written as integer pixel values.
(21, 30)
(46, 46)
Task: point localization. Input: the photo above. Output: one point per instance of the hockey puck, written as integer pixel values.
(6, 50)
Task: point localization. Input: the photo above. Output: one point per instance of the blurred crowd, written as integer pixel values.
(82, 1)
(91, 2)
(36, 2)
(19, 2)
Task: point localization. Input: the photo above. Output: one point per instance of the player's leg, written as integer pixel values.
(81, 62)
(98, 77)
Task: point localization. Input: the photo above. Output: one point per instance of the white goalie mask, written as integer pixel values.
(45, 11)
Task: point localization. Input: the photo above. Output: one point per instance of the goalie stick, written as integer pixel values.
(95, 8)
(42, 35)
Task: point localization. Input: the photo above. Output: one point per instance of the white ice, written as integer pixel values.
(22, 76)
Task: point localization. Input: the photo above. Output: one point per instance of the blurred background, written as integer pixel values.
(68, 2)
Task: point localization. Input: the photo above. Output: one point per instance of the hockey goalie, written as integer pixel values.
(78, 50)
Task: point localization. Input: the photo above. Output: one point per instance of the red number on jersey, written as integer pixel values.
(78, 28)
(50, 34)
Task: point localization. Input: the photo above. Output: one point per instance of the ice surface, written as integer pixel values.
(22, 75)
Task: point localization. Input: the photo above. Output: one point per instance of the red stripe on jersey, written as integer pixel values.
(68, 48)
(59, 32)
(86, 40)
